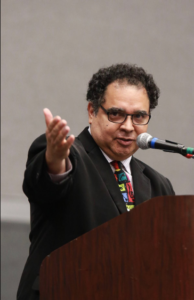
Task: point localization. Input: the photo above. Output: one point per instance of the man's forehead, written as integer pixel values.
(126, 96)
(120, 84)
(117, 87)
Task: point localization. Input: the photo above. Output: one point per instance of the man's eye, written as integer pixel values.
(139, 116)
(114, 113)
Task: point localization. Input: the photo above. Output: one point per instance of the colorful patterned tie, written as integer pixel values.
(124, 185)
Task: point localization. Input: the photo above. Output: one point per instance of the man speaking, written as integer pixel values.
(76, 184)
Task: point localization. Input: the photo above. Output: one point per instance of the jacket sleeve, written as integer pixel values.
(171, 190)
(37, 184)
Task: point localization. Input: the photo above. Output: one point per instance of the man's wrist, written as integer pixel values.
(58, 178)
(55, 166)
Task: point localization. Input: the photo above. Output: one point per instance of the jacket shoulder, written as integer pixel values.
(146, 168)
(155, 177)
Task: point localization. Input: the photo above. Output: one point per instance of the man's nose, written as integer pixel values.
(128, 124)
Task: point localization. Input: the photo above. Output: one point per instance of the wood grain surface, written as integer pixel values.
(147, 253)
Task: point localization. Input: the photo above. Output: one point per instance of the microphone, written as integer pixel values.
(146, 141)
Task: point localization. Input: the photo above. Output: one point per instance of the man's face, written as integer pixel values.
(118, 141)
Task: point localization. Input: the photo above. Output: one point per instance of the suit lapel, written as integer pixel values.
(103, 168)
(141, 183)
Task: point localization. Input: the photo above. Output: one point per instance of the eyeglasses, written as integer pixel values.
(116, 115)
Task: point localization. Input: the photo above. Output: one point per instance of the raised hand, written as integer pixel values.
(58, 147)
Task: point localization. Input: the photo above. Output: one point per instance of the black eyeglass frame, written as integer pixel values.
(126, 115)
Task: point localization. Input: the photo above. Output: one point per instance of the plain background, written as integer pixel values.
(50, 50)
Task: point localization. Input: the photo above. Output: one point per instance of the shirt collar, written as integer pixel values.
(125, 162)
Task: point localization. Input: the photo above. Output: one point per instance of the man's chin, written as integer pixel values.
(122, 155)
(126, 151)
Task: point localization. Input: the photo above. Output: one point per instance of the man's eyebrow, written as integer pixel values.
(115, 109)
(143, 112)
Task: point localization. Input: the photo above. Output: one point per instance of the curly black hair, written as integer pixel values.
(132, 74)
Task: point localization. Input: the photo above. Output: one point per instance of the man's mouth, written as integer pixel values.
(125, 141)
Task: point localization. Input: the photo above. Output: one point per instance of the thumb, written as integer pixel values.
(48, 116)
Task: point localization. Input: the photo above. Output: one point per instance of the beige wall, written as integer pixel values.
(50, 49)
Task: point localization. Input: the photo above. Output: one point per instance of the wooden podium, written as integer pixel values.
(145, 254)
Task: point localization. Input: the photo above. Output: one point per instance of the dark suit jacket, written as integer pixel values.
(87, 198)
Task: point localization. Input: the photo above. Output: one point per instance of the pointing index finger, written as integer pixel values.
(48, 116)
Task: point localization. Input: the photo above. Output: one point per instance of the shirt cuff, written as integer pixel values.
(60, 177)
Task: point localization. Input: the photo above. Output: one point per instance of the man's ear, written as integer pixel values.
(91, 113)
